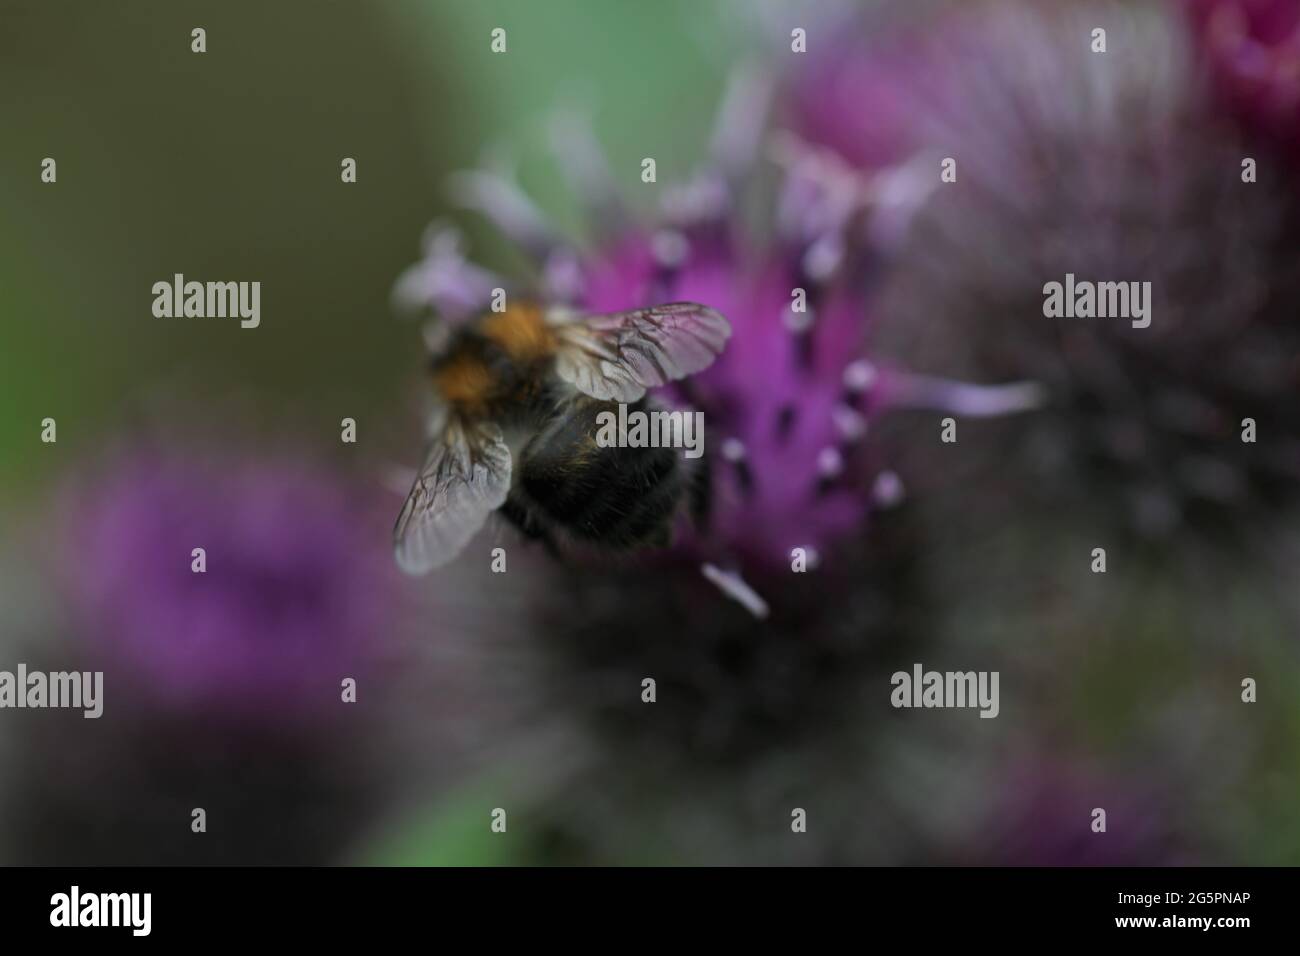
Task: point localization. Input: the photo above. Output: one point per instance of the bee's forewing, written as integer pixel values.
(465, 476)
(616, 357)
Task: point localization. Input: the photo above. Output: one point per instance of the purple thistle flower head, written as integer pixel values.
(294, 597)
(1110, 168)
(789, 409)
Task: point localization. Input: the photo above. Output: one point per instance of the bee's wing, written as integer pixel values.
(616, 357)
(465, 476)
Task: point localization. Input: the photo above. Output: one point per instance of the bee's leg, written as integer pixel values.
(699, 492)
(519, 516)
(552, 549)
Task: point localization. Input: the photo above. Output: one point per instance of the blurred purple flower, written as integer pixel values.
(1110, 168)
(859, 98)
(295, 595)
(1253, 47)
(1046, 819)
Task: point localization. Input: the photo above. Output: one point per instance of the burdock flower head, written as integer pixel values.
(819, 571)
(238, 588)
(1110, 176)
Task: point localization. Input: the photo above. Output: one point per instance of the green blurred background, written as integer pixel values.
(226, 165)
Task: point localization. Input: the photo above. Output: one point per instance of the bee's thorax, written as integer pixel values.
(498, 367)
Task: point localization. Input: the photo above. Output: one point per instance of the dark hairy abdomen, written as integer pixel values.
(617, 497)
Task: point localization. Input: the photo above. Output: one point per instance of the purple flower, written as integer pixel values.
(790, 409)
(1111, 168)
(1253, 47)
(1046, 818)
(294, 597)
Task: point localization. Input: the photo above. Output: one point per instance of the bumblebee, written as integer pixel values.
(513, 428)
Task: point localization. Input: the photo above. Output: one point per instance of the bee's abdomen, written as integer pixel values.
(617, 497)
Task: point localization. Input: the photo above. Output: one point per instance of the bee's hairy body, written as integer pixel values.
(565, 487)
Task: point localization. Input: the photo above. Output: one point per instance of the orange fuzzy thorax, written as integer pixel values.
(522, 331)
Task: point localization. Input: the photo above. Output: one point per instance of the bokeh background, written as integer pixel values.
(522, 690)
